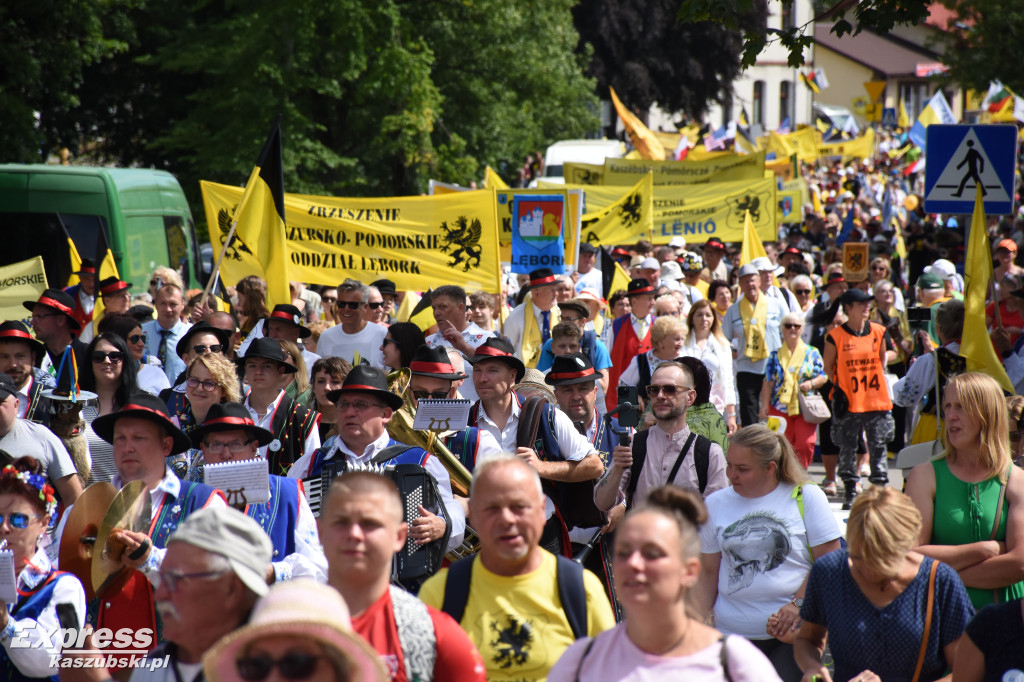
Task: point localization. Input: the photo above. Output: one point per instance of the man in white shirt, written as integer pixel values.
(365, 406)
(588, 276)
(671, 448)
(353, 336)
(560, 453)
(529, 324)
(454, 328)
(163, 333)
(785, 297)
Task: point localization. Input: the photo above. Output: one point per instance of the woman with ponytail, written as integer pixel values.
(759, 542)
(656, 564)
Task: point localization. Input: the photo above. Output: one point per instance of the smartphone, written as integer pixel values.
(629, 406)
(67, 616)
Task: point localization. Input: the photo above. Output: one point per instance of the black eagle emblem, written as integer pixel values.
(512, 643)
(747, 202)
(630, 210)
(224, 220)
(464, 237)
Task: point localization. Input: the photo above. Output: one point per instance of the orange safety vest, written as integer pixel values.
(859, 369)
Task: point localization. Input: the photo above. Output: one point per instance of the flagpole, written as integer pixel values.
(215, 273)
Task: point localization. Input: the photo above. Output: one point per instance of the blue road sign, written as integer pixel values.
(961, 157)
(889, 117)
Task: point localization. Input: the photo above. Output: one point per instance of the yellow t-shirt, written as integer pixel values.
(517, 622)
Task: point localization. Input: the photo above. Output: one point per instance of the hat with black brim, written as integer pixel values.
(639, 287)
(575, 368)
(434, 362)
(367, 379)
(59, 301)
(204, 327)
(230, 417)
(501, 350)
(286, 312)
(268, 349)
(142, 405)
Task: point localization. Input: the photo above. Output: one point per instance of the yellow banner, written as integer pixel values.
(22, 281)
(625, 220)
(582, 173)
(790, 207)
(418, 242)
(692, 211)
(805, 143)
(719, 169)
(857, 148)
(798, 185)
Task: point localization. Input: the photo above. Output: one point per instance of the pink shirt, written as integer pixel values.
(615, 657)
(662, 453)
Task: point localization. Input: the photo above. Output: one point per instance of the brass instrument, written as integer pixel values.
(400, 428)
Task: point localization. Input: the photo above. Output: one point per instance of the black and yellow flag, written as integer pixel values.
(260, 218)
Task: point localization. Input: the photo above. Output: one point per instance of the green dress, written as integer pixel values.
(965, 513)
(707, 421)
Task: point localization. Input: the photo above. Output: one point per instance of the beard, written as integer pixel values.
(668, 412)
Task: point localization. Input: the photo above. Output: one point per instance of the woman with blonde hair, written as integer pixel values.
(668, 334)
(794, 368)
(209, 379)
(880, 270)
(857, 593)
(758, 544)
(657, 563)
(971, 498)
(706, 342)
(297, 385)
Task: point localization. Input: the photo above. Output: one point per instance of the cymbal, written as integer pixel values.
(80, 531)
(130, 510)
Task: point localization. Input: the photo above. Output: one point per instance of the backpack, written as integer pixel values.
(701, 461)
(571, 592)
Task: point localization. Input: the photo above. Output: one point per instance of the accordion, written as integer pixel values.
(414, 563)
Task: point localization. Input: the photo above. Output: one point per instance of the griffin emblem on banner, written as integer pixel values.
(748, 202)
(630, 210)
(464, 237)
(224, 225)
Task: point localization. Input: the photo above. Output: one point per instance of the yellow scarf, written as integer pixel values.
(755, 325)
(790, 393)
(533, 341)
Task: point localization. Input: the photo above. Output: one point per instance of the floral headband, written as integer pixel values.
(37, 481)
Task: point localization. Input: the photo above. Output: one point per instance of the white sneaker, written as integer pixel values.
(865, 470)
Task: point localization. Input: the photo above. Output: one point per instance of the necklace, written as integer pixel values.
(679, 641)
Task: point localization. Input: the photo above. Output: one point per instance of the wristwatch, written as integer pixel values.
(798, 602)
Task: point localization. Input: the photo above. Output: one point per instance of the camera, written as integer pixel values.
(919, 317)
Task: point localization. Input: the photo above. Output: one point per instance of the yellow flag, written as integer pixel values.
(976, 346)
(778, 144)
(752, 247)
(76, 263)
(581, 173)
(861, 147)
(625, 221)
(640, 135)
(492, 179)
(902, 118)
(260, 218)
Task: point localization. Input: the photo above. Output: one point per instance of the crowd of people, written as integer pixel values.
(630, 497)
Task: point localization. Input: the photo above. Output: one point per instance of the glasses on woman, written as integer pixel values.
(17, 520)
(115, 356)
(137, 338)
(387, 340)
(802, 292)
(294, 665)
(212, 348)
(208, 385)
(792, 325)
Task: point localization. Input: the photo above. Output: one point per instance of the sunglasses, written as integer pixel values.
(352, 305)
(17, 520)
(137, 338)
(790, 325)
(294, 665)
(670, 390)
(212, 348)
(116, 357)
(375, 305)
(328, 299)
(388, 340)
(428, 395)
(802, 292)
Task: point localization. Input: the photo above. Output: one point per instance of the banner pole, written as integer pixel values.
(215, 273)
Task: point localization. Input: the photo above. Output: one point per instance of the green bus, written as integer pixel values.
(142, 212)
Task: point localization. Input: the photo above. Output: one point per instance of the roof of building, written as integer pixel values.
(885, 54)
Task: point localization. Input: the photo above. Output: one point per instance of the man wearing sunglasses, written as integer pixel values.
(230, 435)
(455, 329)
(365, 406)
(666, 454)
(433, 377)
(211, 577)
(353, 336)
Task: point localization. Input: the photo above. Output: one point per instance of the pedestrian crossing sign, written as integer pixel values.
(964, 157)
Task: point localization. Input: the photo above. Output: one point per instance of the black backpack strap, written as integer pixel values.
(586, 652)
(456, 588)
(702, 460)
(389, 453)
(723, 657)
(639, 456)
(571, 593)
(680, 458)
